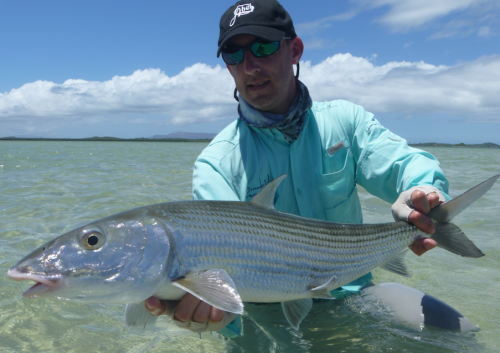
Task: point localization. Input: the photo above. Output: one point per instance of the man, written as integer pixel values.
(325, 148)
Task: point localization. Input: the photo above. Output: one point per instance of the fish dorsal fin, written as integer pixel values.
(448, 210)
(296, 310)
(397, 265)
(265, 198)
(136, 316)
(214, 287)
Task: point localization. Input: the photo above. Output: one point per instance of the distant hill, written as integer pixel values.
(186, 135)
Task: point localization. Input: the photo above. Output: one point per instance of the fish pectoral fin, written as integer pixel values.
(397, 265)
(296, 310)
(323, 291)
(214, 287)
(265, 197)
(136, 316)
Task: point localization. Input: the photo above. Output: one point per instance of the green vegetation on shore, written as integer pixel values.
(104, 138)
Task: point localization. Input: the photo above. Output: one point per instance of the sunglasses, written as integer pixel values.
(236, 55)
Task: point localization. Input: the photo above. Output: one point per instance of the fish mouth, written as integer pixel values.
(44, 283)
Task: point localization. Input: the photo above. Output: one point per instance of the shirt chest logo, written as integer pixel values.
(241, 10)
(256, 187)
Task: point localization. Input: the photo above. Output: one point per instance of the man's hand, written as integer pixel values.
(416, 212)
(190, 313)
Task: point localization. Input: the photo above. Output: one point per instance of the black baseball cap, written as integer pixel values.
(265, 19)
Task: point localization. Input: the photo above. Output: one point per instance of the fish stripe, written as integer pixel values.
(272, 255)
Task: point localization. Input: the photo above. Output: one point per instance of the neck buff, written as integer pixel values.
(289, 124)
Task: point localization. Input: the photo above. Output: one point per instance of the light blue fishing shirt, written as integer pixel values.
(340, 146)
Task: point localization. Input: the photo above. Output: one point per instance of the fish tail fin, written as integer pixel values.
(446, 211)
(448, 236)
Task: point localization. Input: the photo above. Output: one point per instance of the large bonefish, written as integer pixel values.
(226, 253)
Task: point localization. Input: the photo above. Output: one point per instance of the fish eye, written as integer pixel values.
(92, 239)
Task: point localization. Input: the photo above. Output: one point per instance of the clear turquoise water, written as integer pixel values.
(49, 188)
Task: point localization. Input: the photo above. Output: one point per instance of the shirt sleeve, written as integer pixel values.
(209, 183)
(386, 165)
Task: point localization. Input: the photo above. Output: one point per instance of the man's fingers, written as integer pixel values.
(157, 307)
(154, 306)
(186, 308)
(202, 312)
(413, 205)
(422, 222)
(433, 199)
(216, 315)
(420, 201)
(205, 311)
(424, 203)
(422, 245)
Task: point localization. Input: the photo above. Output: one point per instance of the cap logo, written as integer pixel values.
(241, 10)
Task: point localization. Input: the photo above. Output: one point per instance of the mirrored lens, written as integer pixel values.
(235, 55)
(232, 56)
(265, 49)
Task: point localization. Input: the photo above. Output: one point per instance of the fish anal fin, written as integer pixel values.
(396, 264)
(214, 287)
(265, 197)
(296, 310)
(136, 316)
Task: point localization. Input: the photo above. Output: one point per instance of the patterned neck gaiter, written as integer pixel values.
(289, 124)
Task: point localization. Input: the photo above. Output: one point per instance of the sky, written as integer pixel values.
(428, 69)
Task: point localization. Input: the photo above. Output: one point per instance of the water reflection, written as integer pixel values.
(353, 324)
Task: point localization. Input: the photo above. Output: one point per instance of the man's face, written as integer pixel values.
(267, 83)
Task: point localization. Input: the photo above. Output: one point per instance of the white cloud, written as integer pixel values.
(201, 94)
(309, 28)
(145, 91)
(468, 16)
(469, 90)
(445, 17)
(404, 14)
(484, 31)
(453, 28)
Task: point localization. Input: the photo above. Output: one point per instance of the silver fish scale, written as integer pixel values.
(272, 256)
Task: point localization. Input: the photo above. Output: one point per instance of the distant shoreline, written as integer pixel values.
(434, 144)
(143, 139)
(104, 139)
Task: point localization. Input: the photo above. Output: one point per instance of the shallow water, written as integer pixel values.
(49, 188)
